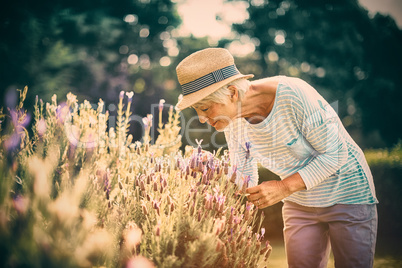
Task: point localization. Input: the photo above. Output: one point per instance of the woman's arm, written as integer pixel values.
(269, 193)
(321, 127)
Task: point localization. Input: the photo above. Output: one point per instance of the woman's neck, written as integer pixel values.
(259, 100)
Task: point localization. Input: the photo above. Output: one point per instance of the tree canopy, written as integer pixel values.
(335, 45)
(89, 47)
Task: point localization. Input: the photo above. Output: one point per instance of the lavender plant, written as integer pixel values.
(80, 193)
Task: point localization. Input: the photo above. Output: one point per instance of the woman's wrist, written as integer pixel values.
(293, 183)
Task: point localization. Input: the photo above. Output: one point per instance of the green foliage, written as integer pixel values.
(78, 193)
(348, 56)
(83, 46)
(385, 158)
(386, 167)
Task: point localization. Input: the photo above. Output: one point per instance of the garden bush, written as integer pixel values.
(386, 166)
(76, 192)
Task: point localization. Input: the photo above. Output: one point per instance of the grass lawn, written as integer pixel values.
(278, 258)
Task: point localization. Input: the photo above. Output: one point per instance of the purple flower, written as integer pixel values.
(161, 102)
(226, 167)
(130, 96)
(208, 201)
(248, 146)
(106, 184)
(12, 142)
(158, 230)
(262, 232)
(199, 145)
(249, 206)
(144, 208)
(20, 120)
(231, 215)
(149, 117)
(21, 203)
(187, 170)
(192, 162)
(246, 180)
(247, 213)
(145, 121)
(178, 164)
(211, 162)
(41, 127)
(204, 179)
(220, 203)
(62, 112)
(156, 205)
(237, 219)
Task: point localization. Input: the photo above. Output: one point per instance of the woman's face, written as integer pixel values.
(217, 115)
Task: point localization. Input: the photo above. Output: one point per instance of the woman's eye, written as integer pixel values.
(204, 109)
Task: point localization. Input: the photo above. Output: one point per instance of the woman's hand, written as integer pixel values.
(269, 193)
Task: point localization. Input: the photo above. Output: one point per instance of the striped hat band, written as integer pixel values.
(209, 79)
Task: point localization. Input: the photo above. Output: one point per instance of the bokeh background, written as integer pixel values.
(346, 49)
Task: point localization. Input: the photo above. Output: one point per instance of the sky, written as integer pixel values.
(386, 7)
(200, 16)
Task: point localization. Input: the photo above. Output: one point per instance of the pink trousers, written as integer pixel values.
(311, 232)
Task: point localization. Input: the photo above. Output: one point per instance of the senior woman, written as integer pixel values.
(286, 126)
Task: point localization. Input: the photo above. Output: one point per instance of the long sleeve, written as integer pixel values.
(320, 126)
(303, 134)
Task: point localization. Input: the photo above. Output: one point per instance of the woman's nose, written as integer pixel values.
(202, 119)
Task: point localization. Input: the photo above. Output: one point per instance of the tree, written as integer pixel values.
(336, 46)
(93, 48)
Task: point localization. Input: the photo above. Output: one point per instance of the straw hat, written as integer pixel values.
(204, 72)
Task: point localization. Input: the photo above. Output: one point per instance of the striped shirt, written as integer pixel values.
(303, 134)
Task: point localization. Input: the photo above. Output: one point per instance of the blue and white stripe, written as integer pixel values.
(209, 79)
(304, 134)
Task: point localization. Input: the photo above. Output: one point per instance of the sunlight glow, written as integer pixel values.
(273, 56)
(131, 18)
(132, 59)
(211, 18)
(165, 61)
(280, 37)
(144, 32)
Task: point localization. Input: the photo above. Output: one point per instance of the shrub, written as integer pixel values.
(80, 193)
(385, 157)
(386, 166)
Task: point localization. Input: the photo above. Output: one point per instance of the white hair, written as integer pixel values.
(222, 95)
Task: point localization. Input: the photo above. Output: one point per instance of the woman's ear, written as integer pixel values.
(234, 93)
